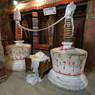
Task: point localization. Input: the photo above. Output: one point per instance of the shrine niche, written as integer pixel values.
(46, 36)
(26, 22)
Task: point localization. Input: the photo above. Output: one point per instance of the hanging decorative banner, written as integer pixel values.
(49, 11)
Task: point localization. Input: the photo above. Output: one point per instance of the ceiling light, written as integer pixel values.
(40, 0)
(15, 2)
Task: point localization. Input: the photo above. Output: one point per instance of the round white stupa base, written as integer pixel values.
(16, 54)
(16, 65)
(68, 82)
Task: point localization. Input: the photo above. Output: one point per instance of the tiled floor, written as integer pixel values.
(16, 85)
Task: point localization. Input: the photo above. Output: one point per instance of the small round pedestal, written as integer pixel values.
(68, 67)
(16, 56)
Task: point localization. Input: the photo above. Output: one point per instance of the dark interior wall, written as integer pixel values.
(27, 22)
(42, 24)
(47, 35)
(79, 22)
(89, 36)
(5, 29)
(59, 28)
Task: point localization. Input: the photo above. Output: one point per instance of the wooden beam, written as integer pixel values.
(33, 5)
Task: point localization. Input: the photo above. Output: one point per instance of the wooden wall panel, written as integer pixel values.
(5, 29)
(89, 39)
(89, 36)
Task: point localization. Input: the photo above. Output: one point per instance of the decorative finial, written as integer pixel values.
(17, 15)
(68, 26)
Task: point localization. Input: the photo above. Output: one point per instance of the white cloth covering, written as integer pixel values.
(33, 79)
(36, 59)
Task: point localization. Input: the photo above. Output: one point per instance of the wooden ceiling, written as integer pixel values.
(30, 4)
(4, 3)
